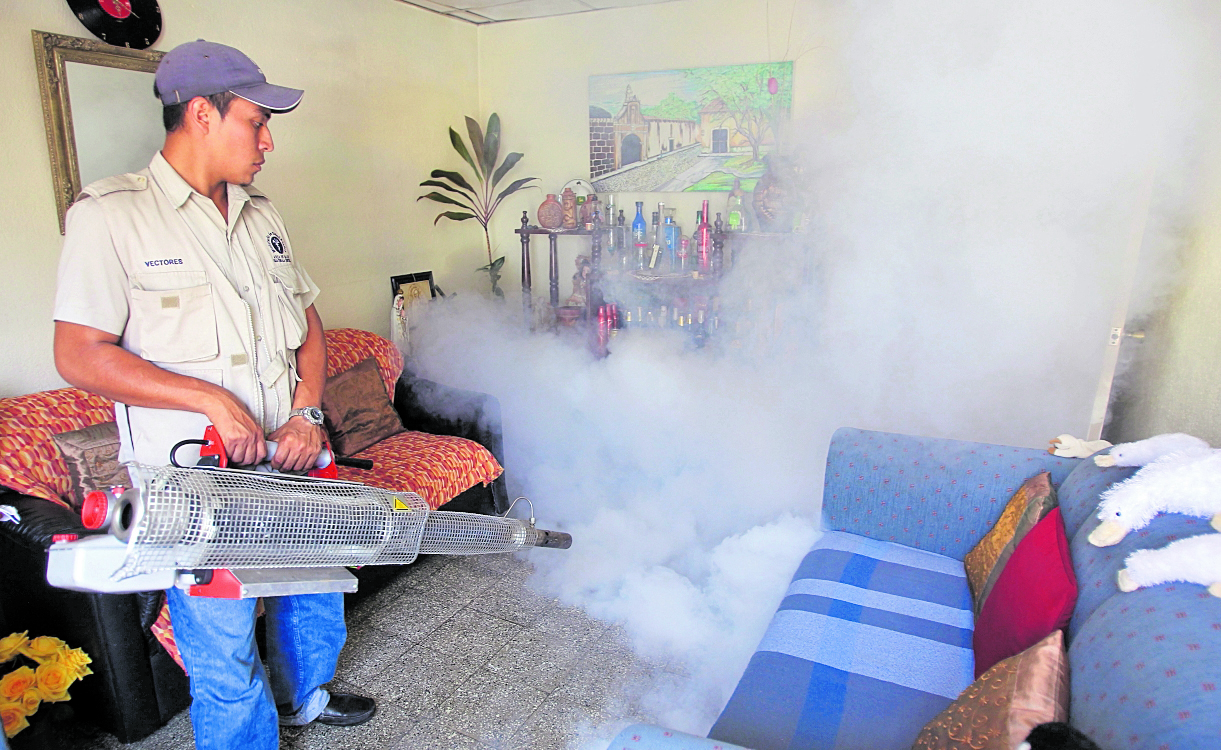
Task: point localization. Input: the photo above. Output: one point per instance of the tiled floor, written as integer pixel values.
(461, 655)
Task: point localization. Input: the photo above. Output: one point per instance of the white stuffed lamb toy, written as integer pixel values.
(1181, 474)
(1149, 450)
(1196, 559)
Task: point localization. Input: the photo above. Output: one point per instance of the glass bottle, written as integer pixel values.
(608, 223)
(699, 328)
(684, 254)
(659, 240)
(621, 241)
(592, 211)
(580, 212)
(735, 214)
(640, 239)
(655, 243)
(671, 232)
(703, 240)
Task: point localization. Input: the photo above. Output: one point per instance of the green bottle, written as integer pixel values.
(735, 215)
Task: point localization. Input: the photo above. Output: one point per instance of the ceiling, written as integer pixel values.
(495, 11)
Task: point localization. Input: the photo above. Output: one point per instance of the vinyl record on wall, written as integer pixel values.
(123, 23)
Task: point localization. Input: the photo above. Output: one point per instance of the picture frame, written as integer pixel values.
(108, 123)
(413, 286)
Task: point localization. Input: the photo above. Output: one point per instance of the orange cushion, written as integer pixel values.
(29, 461)
(346, 347)
(436, 467)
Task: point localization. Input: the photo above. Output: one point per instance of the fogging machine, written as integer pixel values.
(236, 533)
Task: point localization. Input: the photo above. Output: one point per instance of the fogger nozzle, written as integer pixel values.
(553, 539)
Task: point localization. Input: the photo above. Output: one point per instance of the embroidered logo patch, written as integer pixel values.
(279, 253)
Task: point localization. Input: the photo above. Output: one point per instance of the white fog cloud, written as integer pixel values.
(971, 196)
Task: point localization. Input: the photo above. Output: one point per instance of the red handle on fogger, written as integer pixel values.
(212, 453)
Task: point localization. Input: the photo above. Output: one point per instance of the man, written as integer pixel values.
(180, 299)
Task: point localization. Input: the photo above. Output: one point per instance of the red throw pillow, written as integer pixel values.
(1034, 595)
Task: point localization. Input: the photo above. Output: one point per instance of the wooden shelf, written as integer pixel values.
(648, 287)
(556, 232)
(669, 279)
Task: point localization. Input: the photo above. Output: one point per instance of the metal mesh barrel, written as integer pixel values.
(216, 518)
(449, 533)
(190, 518)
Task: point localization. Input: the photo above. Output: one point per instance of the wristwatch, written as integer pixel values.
(312, 414)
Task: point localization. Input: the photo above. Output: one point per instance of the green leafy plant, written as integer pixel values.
(480, 200)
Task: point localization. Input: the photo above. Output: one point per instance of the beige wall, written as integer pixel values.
(382, 81)
(534, 75)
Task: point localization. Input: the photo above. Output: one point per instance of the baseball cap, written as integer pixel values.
(202, 68)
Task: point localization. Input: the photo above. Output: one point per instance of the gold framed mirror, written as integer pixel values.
(99, 110)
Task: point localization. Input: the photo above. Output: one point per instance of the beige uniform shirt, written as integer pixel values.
(149, 259)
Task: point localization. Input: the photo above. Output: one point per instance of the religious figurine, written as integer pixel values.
(580, 282)
(400, 325)
(569, 200)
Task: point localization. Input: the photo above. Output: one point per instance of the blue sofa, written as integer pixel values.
(873, 637)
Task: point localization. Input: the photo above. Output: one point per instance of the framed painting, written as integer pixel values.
(692, 130)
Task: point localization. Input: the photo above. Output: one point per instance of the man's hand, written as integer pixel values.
(299, 445)
(242, 436)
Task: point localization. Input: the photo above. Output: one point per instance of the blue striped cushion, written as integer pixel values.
(872, 640)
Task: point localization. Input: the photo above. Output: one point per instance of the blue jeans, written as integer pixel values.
(234, 701)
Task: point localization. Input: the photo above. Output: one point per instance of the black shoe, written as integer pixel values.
(347, 710)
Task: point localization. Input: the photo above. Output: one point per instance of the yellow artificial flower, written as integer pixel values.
(53, 680)
(11, 644)
(30, 700)
(75, 659)
(13, 715)
(42, 648)
(14, 684)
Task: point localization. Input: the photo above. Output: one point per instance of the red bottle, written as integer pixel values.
(703, 240)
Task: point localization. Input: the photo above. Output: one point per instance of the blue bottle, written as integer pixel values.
(640, 240)
(672, 235)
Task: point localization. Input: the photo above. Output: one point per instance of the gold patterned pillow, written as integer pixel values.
(984, 563)
(1000, 708)
(92, 457)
